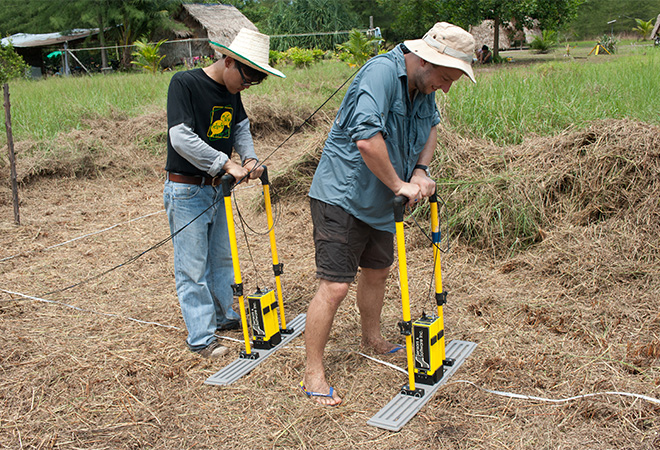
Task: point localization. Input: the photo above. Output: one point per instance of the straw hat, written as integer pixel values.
(250, 48)
(446, 45)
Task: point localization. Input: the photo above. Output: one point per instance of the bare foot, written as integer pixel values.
(320, 391)
(382, 346)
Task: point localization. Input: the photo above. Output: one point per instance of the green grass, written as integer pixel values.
(305, 89)
(511, 102)
(41, 109)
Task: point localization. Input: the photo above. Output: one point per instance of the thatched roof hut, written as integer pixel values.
(203, 21)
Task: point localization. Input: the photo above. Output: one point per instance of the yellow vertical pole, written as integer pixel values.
(403, 281)
(439, 292)
(227, 181)
(277, 268)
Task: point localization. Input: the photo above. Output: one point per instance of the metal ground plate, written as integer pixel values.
(403, 407)
(242, 366)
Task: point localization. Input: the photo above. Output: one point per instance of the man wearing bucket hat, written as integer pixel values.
(380, 146)
(206, 121)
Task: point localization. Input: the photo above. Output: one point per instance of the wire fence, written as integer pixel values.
(177, 52)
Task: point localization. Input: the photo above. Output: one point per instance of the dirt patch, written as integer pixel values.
(576, 313)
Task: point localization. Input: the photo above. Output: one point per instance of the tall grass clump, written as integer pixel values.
(505, 199)
(507, 105)
(41, 109)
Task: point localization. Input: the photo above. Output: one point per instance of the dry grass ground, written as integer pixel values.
(578, 313)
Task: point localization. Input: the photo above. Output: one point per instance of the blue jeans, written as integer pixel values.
(203, 269)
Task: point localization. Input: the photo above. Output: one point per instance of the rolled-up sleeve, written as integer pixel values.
(369, 113)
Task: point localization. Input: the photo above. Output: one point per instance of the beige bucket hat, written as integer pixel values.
(251, 48)
(446, 45)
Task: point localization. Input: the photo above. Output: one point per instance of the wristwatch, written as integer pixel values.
(424, 168)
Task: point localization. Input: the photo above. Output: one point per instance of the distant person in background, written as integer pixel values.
(206, 122)
(484, 55)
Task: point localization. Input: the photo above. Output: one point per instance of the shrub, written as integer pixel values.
(11, 64)
(147, 55)
(609, 43)
(544, 43)
(643, 28)
(275, 57)
(359, 48)
(302, 57)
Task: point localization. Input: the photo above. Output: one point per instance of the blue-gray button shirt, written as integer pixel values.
(376, 101)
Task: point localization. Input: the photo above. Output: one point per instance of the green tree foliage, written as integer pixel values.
(122, 20)
(11, 64)
(258, 11)
(549, 14)
(135, 18)
(412, 18)
(27, 16)
(593, 16)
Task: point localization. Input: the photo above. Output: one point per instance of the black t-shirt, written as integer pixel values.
(208, 108)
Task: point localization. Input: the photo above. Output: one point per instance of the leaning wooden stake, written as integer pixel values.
(12, 157)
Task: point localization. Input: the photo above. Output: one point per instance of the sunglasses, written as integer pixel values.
(245, 81)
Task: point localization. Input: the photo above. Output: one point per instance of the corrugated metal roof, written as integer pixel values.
(41, 40)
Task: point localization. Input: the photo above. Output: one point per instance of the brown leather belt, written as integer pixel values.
(192, 179)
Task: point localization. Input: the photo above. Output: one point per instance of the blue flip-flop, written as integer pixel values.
(395, 349)
(317, 394)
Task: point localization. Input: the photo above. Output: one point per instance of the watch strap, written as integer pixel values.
(424, 168)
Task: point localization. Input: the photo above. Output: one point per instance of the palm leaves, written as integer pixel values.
(359, 47)
(147, 55)
(643, 28)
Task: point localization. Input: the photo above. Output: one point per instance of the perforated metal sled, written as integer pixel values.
(430, 363)
(269, 335)
(242, 366)
(403, 407)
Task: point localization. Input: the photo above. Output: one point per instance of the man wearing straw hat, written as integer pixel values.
(380, 146)
(206, 121)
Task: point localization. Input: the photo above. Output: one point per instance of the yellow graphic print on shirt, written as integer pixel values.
(220, 122)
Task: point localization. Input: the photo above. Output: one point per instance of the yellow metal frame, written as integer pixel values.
(399, 204)
(227, 184)
(273, 247)
(437, 266)
(227, 181)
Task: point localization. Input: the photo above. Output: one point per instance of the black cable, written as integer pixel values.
(247, 243)
(436, 260)
(276, 218)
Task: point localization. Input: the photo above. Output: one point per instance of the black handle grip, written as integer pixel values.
(264, 176)
(399, 206)
(227, 181)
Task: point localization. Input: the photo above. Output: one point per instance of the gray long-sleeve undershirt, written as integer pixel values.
(201, 155)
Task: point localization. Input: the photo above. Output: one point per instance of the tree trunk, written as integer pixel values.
(104, 54)
(496, 38)
(12, 157)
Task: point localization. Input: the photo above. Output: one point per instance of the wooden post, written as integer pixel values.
(12, 157)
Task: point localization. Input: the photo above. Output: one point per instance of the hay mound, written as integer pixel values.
(134, 144)
(508, 198)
